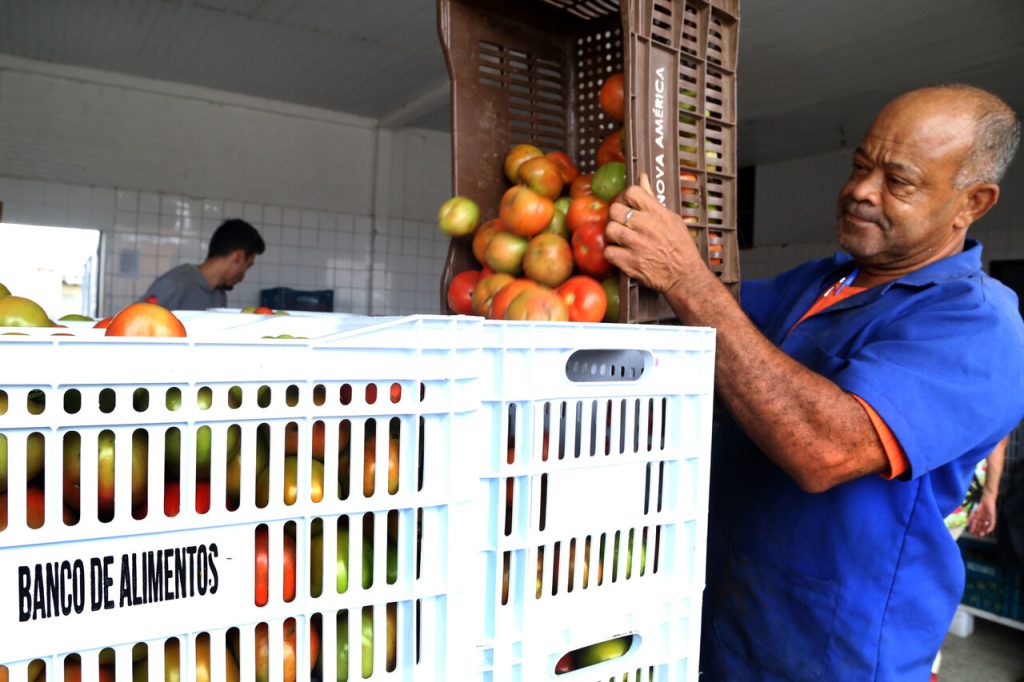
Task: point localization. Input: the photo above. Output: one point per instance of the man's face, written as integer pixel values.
(240, 263)
(896, 210)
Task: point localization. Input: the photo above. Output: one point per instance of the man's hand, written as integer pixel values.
(650, 243)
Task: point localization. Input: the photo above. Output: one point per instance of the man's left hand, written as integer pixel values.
(650, 243)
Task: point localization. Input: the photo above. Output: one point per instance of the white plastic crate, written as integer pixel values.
(412, 383)
(439, 542)
(594, 499)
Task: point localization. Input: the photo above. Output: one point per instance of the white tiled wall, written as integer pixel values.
(157, 167)
(147, 233)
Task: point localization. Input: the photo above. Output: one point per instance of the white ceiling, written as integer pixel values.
(811, 72)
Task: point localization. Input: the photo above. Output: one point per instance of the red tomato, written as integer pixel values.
(565, 166)
(263, 310)
(482, 237)
(585, 298)
(611, 149)
(485, 272)
(506, 295)
(587, 210)
(581, 185)
(145, 319)
(516, 157)
(524, 211)
(104, 323)
(543, 176)
(486, 288)
(588, 244)
(262, 564)
(460, 291)
(612, 97)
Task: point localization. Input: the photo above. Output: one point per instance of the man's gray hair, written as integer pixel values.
(996, 136)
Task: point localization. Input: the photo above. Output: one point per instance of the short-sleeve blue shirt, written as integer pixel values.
(861, 582)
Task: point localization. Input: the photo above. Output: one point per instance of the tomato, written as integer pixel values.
(16, 311)
(557, 224)
(482, 237)
(263, 310)
(585, 298)
(603, 651)
(581, 185)
(458, 216)
(537, 303)
(548, 259)
(290, 489)
(505, 252)
(611, 149)
(565, 165)
(516, 157)
(485, 272)
(262, 564)
(370, 465)
(611, 292)
(485, 290)
(587, 210)
(588, 244)
(612, 97)
(543, 176)
(506, 295)
(145, 319)
(460, 292)
(288, 655)
(609, 180)
(104, 323)
(524, 211)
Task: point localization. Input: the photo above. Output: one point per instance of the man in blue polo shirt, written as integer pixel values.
(861, 390)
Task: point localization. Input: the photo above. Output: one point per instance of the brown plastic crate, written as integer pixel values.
(530, 72)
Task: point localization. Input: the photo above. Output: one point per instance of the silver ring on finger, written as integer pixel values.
(629, 214)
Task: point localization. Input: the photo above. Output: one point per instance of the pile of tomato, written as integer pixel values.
(542, 258)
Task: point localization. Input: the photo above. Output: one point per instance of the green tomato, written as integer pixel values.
(603, 651)
(611, 292)
(16, 311)
(609, 180)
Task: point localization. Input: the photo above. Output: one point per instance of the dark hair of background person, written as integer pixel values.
(235, 234)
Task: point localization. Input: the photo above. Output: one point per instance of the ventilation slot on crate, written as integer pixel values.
(691, 29)
(661, 24)
(587, 9)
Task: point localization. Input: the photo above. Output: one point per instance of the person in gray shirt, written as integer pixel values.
(233, 248)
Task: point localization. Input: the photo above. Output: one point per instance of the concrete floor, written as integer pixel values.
(993, 653)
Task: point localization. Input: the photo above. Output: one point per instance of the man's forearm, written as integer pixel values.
(812, 429)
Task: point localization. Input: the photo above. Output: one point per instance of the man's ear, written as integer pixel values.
(237, 256)
(978, 200)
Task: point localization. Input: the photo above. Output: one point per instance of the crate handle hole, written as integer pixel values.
(607, 365)
(595, 654)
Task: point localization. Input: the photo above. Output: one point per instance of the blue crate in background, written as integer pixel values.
(283, 298)
(992, 584)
